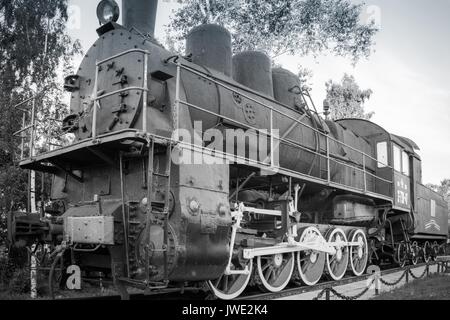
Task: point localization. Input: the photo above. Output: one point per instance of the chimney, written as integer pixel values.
(140, 14)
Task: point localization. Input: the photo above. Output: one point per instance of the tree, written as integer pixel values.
(346, 99)
(305, 75)
(34, 48)
(443, 189)
(297, 27)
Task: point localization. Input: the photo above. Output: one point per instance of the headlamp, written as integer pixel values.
(108, 11)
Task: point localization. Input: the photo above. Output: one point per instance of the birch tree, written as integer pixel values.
(35, 50)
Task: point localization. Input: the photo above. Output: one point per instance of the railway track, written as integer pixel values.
(252, 294)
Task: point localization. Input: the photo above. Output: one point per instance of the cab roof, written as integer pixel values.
(367, 128)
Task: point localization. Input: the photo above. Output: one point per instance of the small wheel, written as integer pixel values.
(415, 253)
(359, 254)
(336, 265)
(310, 264)
(401, 254)
(276, 271)
(426, 252)
(229, 287)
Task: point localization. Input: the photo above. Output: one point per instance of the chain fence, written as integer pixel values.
(425, 272)
(329, 291)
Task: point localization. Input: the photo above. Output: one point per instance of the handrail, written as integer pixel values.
(32, 127)
(262, 131)
(218, 82)
(326, 136)
(96, 99)
(121, 55)
(28, 100)
(143, 89)
(24, 129)
(109, 94)
(269, 133)
(209, 77)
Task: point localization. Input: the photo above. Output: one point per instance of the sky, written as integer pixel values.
(408, 72)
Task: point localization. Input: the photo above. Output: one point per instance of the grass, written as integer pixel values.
(87, 291)
(435, 287)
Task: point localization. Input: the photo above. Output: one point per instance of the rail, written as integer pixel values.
(29, 130)
(143, 89)
(27, 133)
(276, 141)
(271, 163)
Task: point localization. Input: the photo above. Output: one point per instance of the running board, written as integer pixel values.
(265, 212)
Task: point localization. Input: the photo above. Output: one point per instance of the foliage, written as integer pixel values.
(35, 50)
(443, 189)
(13, 268)
(347, 100)
(305, 76)
(297, 27)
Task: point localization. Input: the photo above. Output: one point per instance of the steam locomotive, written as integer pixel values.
(216, 168)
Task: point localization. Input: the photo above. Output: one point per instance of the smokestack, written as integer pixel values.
(140, 14)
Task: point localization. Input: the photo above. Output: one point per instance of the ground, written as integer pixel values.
(88, 291)
(436, 287)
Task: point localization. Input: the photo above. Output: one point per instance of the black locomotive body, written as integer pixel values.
(132, 198)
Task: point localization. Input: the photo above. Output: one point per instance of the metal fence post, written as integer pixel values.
(407, 274)
(377, 284)
(33, 273)
(327, 295)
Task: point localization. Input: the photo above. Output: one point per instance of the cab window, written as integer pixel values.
(382, 154)
(433, 208)
(397, 158)
(405, 163)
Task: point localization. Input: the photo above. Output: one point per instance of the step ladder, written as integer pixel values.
(154, 216)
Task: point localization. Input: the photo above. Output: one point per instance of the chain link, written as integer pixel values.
(392, 284)
(359, 295)
(342, 296)
(418, 277)
(349, 298)
(321, 293)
